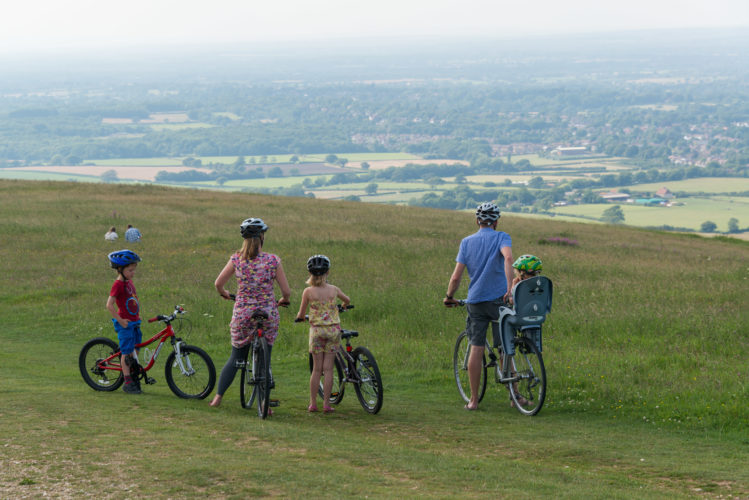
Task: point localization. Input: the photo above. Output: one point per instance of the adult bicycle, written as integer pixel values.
(357, 366)
(516, 361)
(189, 370)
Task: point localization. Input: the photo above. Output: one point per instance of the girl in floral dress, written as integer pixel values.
(255, 271)
(325, 327)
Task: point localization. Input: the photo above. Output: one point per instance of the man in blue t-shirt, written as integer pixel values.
(487, 255)
(132, 234)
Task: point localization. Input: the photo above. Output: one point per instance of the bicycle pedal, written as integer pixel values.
(491, 364)
(274, 403)
(150, 380)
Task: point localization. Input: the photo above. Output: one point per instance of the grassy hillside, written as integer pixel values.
(646, 352)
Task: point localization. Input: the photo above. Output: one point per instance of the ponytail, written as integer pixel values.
(251, 247)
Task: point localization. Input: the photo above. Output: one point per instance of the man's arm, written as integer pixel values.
(507, 254)
(453, 285)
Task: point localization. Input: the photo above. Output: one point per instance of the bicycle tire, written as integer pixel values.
(247, 385)
(339, 386)
(94, 351)
(200, 378)
(460, 368)
(261, 368)
(529, 392)
(369, 384)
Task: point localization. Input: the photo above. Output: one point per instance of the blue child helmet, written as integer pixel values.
(122, 258)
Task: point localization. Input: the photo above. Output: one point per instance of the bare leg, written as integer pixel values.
(314, 378)
(475, 365)
(327, 386)
(125, 366)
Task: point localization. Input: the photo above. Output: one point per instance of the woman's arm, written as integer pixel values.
(284, 284)
(222, 278)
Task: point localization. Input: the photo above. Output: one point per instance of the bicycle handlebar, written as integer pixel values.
(178, 310)
(340, 307)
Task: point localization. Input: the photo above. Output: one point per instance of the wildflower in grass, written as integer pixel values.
(558, 240)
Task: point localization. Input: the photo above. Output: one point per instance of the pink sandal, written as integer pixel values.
(328, 409)
(312, 408)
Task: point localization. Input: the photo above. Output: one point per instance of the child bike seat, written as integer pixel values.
(532, 299)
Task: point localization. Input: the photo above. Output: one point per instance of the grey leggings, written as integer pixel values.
(229, 371)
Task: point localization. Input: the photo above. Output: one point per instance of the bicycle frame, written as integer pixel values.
(347, 361)
(167, 333)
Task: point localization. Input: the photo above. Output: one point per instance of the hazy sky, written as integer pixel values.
(46, 25)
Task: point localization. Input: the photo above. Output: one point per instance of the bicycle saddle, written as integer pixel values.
(259, 314)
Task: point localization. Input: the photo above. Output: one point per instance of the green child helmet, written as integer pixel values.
(528, 263)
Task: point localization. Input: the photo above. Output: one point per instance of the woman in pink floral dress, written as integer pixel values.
(324, 329)
(255, 271)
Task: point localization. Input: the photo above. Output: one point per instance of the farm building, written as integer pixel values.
(570, 151)
(664, 193)
(614, 196)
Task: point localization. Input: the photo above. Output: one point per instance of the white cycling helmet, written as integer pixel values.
(253, 227)
(487, 212)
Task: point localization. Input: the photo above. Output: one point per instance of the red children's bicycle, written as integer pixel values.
(189, 369)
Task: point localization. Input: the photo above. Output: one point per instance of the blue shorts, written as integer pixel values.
(129, 336)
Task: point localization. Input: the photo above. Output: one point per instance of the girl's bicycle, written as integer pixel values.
(518, 332)
(189, 369)
(356, 366)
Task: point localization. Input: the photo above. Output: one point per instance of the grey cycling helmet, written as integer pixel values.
(253, 227)
(487, 212)
(317, 265)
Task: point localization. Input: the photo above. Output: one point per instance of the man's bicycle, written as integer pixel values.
(189, 369)
(358, 367)
(518, 362)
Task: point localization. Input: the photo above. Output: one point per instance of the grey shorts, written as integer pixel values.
(478, 319)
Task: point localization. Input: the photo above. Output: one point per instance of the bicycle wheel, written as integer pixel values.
(460, 368)
(247, 386)
(261, 365)
(369, 386)
(193, 375)
(102, 377)
(336, 393)
(529, 392)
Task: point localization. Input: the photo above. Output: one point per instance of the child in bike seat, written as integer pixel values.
(123, 305)
(526, 266)
(255, 271)
(325, 327)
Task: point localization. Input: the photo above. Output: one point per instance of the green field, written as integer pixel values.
(45, 176)
(161, 127)
(646, 352)
(691, 215)
(714, 185)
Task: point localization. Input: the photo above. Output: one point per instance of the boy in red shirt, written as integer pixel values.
(125, 310)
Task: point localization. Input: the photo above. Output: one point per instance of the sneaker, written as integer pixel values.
(132, 388)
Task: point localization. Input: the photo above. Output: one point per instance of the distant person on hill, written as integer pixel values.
(255, 271)
(487, 255)
(111, 235)
(132, 234)
(324, 327)
(123, 305)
